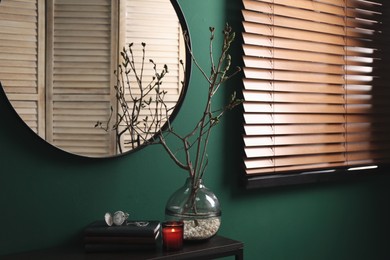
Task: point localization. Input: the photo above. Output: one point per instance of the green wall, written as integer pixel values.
(48, 196)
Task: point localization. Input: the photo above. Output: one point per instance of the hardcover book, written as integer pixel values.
(121, 239)
(129, 229)
(91, 248)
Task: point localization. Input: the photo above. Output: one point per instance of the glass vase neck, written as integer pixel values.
(193, 182)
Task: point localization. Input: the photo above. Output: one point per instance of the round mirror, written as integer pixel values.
(76, 72)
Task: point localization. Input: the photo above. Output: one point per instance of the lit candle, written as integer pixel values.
(172, 234)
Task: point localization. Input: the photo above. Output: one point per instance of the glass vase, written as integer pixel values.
(198, 208)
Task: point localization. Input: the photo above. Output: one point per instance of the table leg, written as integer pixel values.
(240, 255)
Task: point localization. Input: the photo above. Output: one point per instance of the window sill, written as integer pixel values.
(276, 180)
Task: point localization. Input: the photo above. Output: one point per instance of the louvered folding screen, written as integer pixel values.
(316, 85)
(155, 23)
(82, 48)
(22, 59)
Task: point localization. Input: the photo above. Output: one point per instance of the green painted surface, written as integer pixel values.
(47, 196)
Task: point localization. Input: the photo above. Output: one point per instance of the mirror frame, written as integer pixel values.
(187, 75)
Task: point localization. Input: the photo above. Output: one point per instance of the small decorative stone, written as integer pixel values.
(201, 228)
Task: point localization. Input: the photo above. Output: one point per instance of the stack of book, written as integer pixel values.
(131, 235)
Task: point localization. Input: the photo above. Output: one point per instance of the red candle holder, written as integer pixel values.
(172, 235)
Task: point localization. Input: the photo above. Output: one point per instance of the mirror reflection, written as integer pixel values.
(57, 63)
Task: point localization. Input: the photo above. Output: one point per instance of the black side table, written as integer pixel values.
(213, 248)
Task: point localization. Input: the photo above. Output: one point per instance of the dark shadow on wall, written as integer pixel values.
(233, 125)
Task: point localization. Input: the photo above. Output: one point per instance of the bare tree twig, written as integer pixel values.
(190, 152)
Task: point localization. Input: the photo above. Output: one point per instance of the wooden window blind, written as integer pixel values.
(22, 59)
(316, 85)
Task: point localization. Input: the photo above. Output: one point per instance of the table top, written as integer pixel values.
(215, 247)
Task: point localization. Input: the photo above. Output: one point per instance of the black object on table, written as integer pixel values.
(213, 248)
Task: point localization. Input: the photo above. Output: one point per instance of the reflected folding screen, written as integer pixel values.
(58, 57)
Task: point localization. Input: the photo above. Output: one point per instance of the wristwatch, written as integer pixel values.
(120, 217)
(117, 219)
